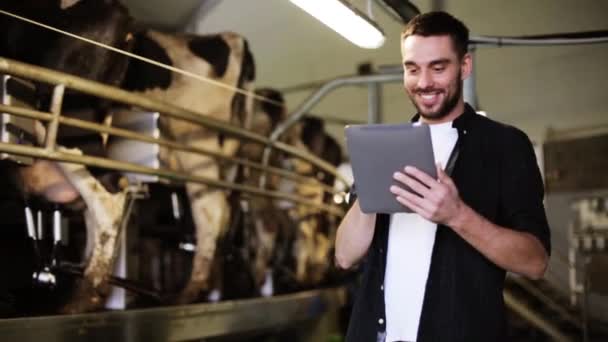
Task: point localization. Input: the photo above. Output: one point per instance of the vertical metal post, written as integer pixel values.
(585, 301)
(5, 100)
(470, 91)
(437, 5)
(374, 102)
(52, 128)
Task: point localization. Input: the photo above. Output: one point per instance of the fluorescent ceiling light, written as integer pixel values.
(346, 20)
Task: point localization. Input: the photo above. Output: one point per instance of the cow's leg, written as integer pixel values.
(266, 229)
(320, 257)
(303, 249)
(103, 217)
(210, 210)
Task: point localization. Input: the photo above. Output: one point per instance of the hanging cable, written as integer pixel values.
(147, 60)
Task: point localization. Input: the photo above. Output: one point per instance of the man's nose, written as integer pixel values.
(425, 80)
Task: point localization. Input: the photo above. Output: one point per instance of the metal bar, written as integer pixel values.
(470, 89)
(389, 11)
(130, 167)
(374, 103)
(177, 323)
(576, 133)
(334, 120)
(316, 97)
(533, 290)
(93, 88)
(535, 319)
(124, 133)
(437, 5)
(313, 99)
(26, 113)
(56, 102)
(514, 41)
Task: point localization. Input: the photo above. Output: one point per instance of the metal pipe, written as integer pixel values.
(389, 11)
(96, 89)
(179, 323)
(42, 116)
(533, 290)
(504, 41)
(313, 99)
(374, 103)
(30, 223)
(437, 5)
(469, 89)
(39, 225)
(56, 226)
(535, 319)
(56, 102)
(130, 167)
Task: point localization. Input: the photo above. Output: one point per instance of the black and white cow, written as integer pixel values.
(315, 229)
(252, 248)
(225, 58)
(292, 241)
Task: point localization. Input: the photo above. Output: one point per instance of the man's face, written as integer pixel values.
(433, 74)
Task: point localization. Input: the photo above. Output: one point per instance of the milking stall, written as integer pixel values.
(178, 170)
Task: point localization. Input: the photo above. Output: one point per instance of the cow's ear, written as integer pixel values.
(65, 4)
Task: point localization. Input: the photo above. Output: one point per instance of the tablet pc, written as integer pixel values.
(377, 152)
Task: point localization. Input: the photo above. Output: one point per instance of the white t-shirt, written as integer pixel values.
(410, 245)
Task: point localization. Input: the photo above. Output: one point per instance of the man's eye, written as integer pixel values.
(412, 71)
(439, 68)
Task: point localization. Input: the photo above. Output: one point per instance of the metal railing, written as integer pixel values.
(54, 118)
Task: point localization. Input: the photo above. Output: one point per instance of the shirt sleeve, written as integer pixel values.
(522, 190)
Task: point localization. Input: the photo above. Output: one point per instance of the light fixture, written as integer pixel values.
(346, 20)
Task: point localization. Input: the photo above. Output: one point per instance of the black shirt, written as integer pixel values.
(497, 175)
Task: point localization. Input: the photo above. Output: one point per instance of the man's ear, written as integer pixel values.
(466, 65)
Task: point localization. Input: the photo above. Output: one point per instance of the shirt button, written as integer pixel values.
(381, 287)
(380, 321)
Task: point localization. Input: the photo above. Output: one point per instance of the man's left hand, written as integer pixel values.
(436, 200)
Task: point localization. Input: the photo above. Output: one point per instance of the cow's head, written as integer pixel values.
(269, 111)
(104, 21)
(107, 22)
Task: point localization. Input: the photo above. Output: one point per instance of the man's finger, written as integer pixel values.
(421, 176)
(413, 206)
(413, 184)
(422, 203)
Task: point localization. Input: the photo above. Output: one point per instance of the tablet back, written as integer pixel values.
(378, 151)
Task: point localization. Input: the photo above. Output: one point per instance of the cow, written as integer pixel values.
(290, 241)
(106, 21)
(314, 235)
(225, 58)
(254, 233)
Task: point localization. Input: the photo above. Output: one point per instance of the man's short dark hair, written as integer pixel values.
(439, 24)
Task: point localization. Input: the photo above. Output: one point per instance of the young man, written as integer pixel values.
(438, 274)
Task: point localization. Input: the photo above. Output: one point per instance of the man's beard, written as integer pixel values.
(445, 108)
